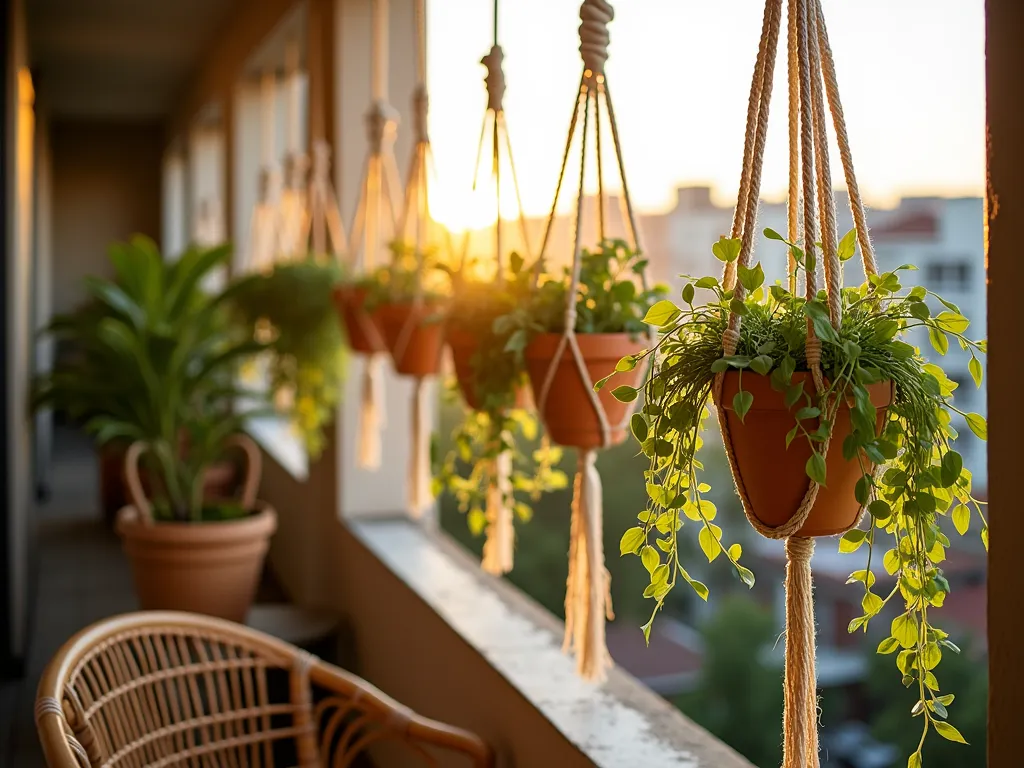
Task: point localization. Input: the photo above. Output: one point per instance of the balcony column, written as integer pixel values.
(1005, 211)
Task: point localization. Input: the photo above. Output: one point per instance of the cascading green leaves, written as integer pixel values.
(467, 471)
(921, 479)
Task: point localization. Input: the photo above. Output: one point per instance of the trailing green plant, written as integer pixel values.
(291, 309)
(920, 477)
(412, 272)
(498, 426)
(157, 362)
(609, 298)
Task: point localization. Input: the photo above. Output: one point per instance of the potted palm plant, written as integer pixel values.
(108, 392)
(190, 552)
(176, 351)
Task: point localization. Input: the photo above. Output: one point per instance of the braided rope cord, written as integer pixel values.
(810, 60)
(416, 215)
(588, 597)
(812, 81)
(594, 38)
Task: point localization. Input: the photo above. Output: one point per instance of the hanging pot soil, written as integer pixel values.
(414, 334)
(364, 335)
(464, 345)
(569, 414)
(219, 480)
(773, 476)
(210, 568)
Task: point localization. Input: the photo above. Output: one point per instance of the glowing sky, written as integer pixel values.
(911, 74)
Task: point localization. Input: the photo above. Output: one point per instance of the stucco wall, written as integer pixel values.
(106, 186)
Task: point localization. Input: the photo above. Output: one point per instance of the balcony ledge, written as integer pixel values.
(614, 724)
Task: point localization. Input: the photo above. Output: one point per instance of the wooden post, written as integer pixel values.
(320, 63)
(1005, 212)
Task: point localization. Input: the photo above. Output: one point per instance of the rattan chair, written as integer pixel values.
(177, 689)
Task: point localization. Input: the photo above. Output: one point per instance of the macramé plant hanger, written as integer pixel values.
(810, 194)
(294, 213)
(869, 418)
(209, 227)
(563, 366)
(412, 321)
(374, 228)
(265, 225)
(466, 345)
(298, 245)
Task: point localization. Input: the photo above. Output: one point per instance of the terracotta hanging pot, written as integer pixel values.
(211, 568)
(464, 345)
(414, 334)
(361, 327)
(569, 414)
(774, 476)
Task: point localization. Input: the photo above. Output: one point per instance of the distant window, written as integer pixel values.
(950, 275)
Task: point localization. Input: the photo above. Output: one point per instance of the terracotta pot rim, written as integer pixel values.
(410, 306)
(882, 392)
(262, 524)
(611, 346)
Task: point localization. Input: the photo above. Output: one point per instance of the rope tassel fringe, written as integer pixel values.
(420, 497)
(499, 547)
(588, 600)
(372, 415)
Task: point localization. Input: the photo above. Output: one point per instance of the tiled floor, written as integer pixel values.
(82, 577)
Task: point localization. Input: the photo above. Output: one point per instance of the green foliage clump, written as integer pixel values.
(157, 362)
(412, 272)
(499, 427)
(609, 298)
(291, 309)
(920, 477)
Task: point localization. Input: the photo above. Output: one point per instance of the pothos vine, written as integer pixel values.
(911, 477)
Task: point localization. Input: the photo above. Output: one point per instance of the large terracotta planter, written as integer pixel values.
(414, 336)
(773, 476)
(464, 346)
(220, 480)
(209, 568)
(363, 334)
(569, 414)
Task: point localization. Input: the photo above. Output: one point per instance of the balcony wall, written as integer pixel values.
(422, 622)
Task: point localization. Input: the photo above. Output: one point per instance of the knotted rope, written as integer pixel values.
(209, 227)
(495, 79)
(417, 218)
(265, 225)
(595, 16)
(588, 593)
(499, 544)
(325, 232)
(374, 226)
(294, 202)
(810, 185)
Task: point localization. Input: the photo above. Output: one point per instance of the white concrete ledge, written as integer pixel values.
(619, 723)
